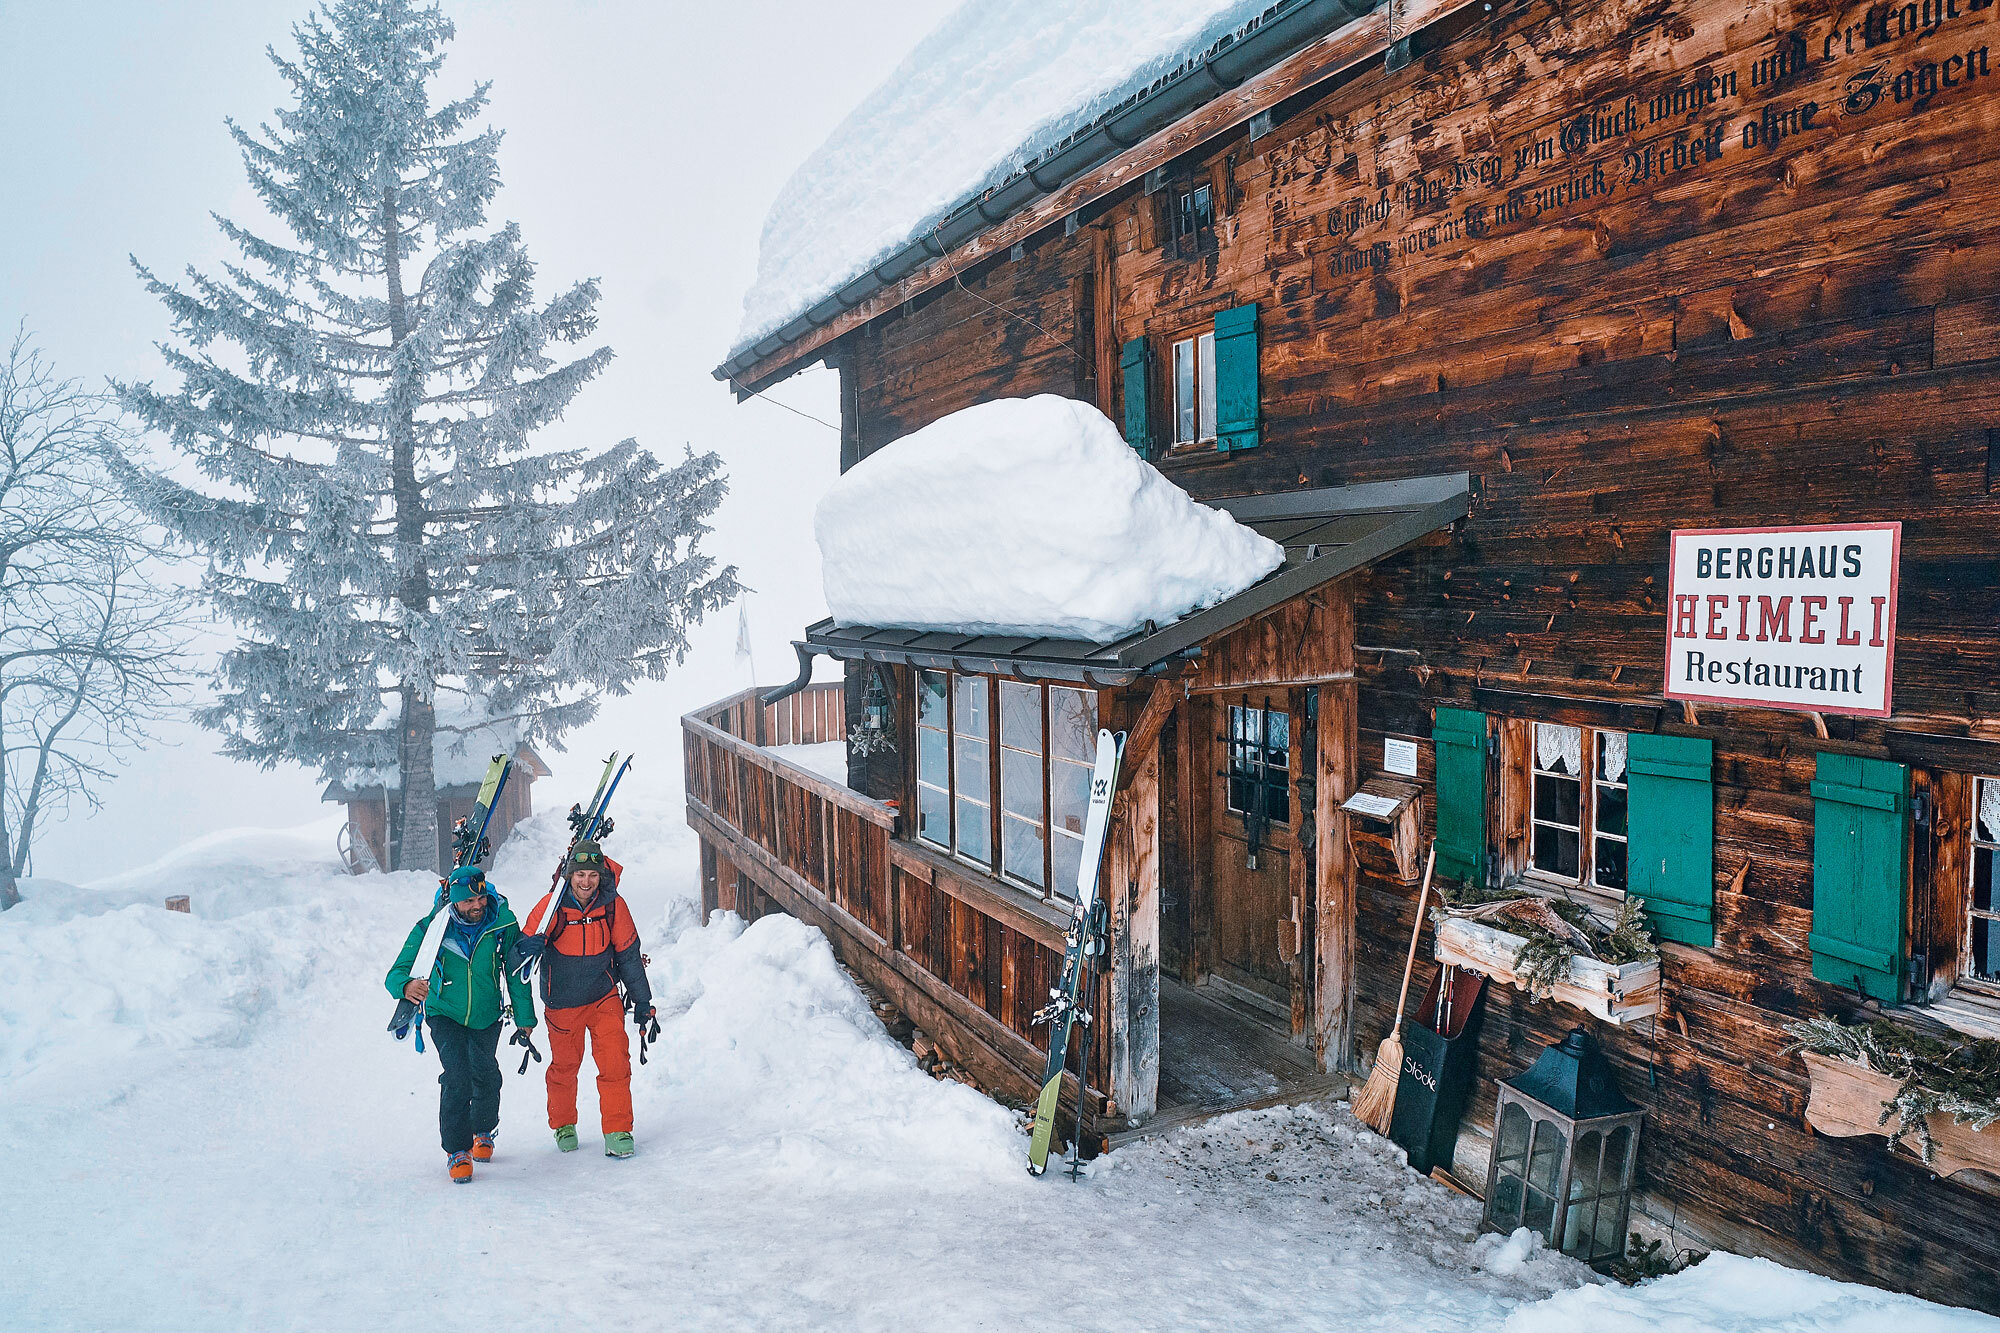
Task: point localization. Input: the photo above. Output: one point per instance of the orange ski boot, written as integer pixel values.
(460, 1164)
(482, 1147)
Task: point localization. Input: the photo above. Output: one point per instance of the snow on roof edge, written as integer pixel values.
(1038, 141)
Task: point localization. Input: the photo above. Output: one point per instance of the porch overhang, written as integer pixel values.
(1327, 533)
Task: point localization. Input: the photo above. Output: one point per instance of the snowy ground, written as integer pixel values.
(209, 1129)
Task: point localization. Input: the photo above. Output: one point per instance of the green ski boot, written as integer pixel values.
(617, 1145)
(566, 1137)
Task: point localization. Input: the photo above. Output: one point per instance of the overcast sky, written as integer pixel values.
(644, 143)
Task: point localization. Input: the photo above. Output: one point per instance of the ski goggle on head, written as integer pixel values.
(466, 882)
(586, 858)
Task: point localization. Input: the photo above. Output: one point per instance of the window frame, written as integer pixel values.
(1967, 979)
(1200, 342)
(994, 802)
(1588, 834)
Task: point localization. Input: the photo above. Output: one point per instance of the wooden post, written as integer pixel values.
(1295, 946)
(1194, 800)
(1132, 878)
(1333, 931)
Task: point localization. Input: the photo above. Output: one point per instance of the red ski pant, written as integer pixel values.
(605, 1022)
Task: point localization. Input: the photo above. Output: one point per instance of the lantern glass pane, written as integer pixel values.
(1504, 1209)
(1545, 1162)
(1617, 1147)
(1514, 1126)
(1544, 1169)
(1583, 1176)
(1577, 1227)
(1608, 1242)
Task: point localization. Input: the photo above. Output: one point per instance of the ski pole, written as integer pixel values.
(1094, 954)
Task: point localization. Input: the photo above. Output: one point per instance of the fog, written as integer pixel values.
(644, 143)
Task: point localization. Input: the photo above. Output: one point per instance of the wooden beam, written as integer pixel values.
(1355, 43)
(1145, 733)
(1333, 872)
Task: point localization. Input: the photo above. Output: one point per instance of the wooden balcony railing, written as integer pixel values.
(968, 958)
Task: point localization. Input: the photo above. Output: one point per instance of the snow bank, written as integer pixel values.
(103, 984)
(996, 85)
(766, 1038)
(1727, 1293)
(1025, 516)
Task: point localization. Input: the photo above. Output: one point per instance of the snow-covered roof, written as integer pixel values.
(997, 86)
(1027, 517)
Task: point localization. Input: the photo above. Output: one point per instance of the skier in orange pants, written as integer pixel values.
(589, 948)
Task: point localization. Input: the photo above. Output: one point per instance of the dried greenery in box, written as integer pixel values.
(1958, 1078)
(1553, 931)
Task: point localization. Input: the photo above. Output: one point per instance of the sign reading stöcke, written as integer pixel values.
(1798, 618)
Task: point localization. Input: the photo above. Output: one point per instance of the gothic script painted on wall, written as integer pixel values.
(1795, 618)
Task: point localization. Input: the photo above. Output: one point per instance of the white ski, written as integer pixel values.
(1086, 931)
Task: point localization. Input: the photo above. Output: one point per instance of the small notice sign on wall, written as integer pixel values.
(1795, 618)
(1399, 756)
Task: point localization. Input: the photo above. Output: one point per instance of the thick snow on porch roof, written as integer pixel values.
(998, 84)
(1327, 533)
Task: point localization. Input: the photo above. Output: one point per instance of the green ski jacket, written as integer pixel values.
(468, 990)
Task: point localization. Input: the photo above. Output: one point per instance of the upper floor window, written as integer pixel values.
(1196, 213)
(1012, 800)
(1577, 806)
(1194, 389)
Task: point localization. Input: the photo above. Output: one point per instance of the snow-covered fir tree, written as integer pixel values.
(362, 398)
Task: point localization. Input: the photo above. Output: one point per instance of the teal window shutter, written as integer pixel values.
(1671, 832)
(1134, 360)
(1236, 393)
(1459, 736)
(1861, 830)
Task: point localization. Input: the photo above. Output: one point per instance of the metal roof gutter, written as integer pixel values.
(1280, 32)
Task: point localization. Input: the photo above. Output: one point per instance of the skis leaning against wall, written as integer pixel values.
(1066, 1004)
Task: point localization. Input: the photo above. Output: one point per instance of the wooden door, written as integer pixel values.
(1252, 843)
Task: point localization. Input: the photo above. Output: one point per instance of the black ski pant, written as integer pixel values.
(469, 1096)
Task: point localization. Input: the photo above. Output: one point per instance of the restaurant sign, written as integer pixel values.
(1797, 618)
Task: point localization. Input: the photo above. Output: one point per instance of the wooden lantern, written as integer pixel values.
(1565, 1141)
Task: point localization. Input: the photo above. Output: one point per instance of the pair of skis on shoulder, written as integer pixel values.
(469, 847)
(1074, 997)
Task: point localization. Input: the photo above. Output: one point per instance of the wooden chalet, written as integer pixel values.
(1473, 309)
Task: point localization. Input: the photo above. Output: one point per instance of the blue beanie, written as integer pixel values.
(465, 882)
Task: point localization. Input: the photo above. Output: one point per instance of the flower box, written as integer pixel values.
(1615, 992)
(1847, 1101)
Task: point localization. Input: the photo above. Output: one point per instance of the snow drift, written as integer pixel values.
(995, 86)
(1027, 516)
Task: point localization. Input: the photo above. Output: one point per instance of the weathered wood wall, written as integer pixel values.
(1637, 265)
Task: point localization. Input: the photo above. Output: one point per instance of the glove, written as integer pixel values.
(526, 953)
(525, 1037)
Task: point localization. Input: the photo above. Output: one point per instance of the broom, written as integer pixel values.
(1376, 1101)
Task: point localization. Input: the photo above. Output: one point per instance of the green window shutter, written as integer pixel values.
(1236, 396)
(1861, 829)
(1670, 855)
(1135, 360)
(1459, 735)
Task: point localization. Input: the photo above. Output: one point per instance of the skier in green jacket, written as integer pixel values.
(464, 998)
